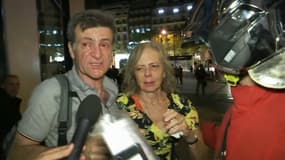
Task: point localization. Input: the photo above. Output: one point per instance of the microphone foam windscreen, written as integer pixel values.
(90, 108)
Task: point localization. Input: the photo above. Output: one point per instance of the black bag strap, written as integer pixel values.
(64, 109)
(223, 150)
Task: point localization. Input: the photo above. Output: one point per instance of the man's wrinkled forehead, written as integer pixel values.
(94, 34)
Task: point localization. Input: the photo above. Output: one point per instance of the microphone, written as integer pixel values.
(88, 113)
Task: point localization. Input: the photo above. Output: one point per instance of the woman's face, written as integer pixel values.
(149, 71)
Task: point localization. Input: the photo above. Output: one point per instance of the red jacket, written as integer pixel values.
(257, 125)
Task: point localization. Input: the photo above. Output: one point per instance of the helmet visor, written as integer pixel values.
(270, 72)
(234, 40)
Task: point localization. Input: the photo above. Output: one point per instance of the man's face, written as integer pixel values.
(92, 52)
(12, 86)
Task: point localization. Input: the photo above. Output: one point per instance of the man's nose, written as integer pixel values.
(95, 51)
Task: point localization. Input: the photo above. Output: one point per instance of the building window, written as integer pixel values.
(54, 56)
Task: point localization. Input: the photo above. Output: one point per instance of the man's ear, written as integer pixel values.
(70, 49)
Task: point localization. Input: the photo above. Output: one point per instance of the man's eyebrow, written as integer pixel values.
(86, 38)
(100, 40)
(106, 39)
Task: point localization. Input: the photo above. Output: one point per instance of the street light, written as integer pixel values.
(163, 31)
(163, 36)
(170, 40)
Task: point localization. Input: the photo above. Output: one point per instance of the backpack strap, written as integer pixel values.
(64, 116)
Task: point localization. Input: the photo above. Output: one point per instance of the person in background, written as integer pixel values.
(90, 35)
(180, 74)
(10, 107)
(113, 73)
(253, 128)
(201, 79)
(176, 73)
(150, 99)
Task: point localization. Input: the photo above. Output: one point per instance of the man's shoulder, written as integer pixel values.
(3, 93)
(47, 87)
(50, 82)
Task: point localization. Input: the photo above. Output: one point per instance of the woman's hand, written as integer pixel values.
(175, 124)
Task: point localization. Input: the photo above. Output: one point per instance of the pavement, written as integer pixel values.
(216, 100)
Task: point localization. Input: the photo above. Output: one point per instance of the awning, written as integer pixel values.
(193, 41)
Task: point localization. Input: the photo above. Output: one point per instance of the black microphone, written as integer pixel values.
(88, 113)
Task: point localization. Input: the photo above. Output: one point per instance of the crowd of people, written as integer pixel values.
(251, 128)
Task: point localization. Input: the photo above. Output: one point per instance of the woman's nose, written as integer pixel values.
(147, 71)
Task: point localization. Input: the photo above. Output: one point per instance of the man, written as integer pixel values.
(10, 102)
(253, 127)
(201, 79)
(90, 39)
(11, 85)
(10, 106)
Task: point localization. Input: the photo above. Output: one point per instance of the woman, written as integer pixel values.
(150, 99)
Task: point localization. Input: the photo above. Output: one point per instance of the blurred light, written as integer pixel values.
(160, 11)
(132, 45)
(54, 32)
(119, 57)
(50, 59)
(189, 7)
(145, 41)
(59, 58)
(197, 56)
(58, 44)
(51, 45)
(212, 69)
(175, 10)
(163, 32)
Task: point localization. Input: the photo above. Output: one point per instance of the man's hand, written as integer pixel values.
(96, 148)
(57, 153)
